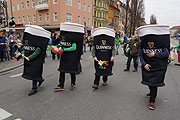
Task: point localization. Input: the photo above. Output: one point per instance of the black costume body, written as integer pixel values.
(69, 59)
(33, 39)
(103, 47)
(154, 38)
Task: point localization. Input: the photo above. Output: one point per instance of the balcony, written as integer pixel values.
(43, 6)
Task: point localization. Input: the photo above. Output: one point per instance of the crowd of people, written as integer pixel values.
(104, 44)
(8, 46)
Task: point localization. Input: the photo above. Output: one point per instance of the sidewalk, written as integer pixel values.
(9, 65)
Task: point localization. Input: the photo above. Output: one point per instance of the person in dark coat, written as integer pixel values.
(2, 46)
(134, 47)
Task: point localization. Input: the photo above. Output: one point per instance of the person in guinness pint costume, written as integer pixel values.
(154, 52)
(35, 42)
(71, 43)
(103, 53)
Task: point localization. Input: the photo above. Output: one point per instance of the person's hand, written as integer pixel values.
(112, 59)
(150, 54)
(27, 58)
(147, 67)
(23, 56)
(95, 58)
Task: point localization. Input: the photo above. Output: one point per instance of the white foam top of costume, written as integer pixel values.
(153, 29)
(71, 27)
(37, 31)
(103, 30)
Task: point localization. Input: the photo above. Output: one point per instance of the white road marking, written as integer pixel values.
(18, 119)
(4, 114)
(17, 75)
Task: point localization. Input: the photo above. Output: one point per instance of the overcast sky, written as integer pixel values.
(166, 11)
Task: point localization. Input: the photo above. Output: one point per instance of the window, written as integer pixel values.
(69, 2)
(23, 19)
(84, 20)
(79, 4)
(22, 5)
(84, 6)
(19, 20)
(88, 21)
(33, 3)
(42, 1)
(54, 1)
(89, 8)
(40, 18)
(34, 18)
(47, 16)
(55, 16)
(68, 17)
(28, 19)
(27, 4)
(13, 8)
(79, 19)
(18, 7)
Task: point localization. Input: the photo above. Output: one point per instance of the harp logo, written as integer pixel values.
(26, 42)
(151, 44)
(103, 42)
(63, 38)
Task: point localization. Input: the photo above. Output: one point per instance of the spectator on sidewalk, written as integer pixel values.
(90, 42)
(134, 47)
(178, 51)
(12, 41)
(84, 43)
(118, 42)
(2, 46)
(125, 42)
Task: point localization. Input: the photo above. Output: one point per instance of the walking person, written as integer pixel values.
(118, 42)
(12, 41)
(35, 42)
(154, 52)
(7, 50)
(2, 46)
(84, 43)
(125, 42)
(72, 45)
(103, 53)
(178, 51)
(133, 47)
(90, 43)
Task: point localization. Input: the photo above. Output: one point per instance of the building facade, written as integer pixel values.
(100, 13)
(50, 13)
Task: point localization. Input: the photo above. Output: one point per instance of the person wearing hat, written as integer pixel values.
(103, 53)
(35, 42)
(71, 44)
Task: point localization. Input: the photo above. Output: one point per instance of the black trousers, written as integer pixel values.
(97, 79)
(153, 93)
(62, 79)
(34, 84)
(2, 53)
(134, 60)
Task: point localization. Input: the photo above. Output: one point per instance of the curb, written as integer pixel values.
(12, 68)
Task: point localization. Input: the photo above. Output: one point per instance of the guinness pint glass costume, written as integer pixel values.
(71, 43)
(154, 39)
(103, 50)
(35, 42)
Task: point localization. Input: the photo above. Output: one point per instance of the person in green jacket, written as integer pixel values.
(178, 51)
(118, 42)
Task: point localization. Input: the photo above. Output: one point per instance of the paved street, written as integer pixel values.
(122, 99)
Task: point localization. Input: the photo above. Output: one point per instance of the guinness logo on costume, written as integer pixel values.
(151, 44)
(104, 42)
(25, 42)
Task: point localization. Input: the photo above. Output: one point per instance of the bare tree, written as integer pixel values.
(153, 19)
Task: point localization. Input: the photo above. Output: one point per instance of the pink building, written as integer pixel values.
(50, 13)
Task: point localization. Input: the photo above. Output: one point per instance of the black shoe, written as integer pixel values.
(135, 70)
(95, 86)
(32, 92)
(40, 83)
(126, 69)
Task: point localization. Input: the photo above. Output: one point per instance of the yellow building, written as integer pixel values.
(100, 13)
(113, 15)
